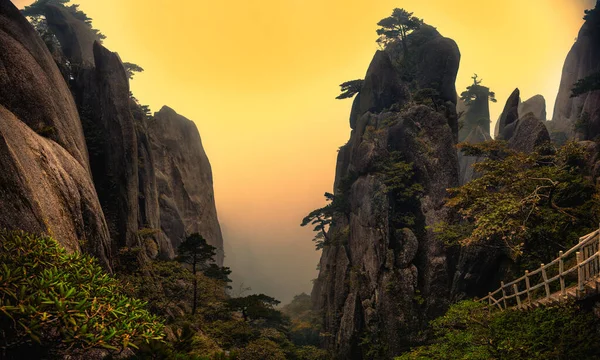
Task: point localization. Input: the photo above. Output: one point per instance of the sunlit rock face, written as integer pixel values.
(535, 105)
(582, 60)
(45, 185)
(152, 175)
(184, 180)
(33, 89)
(382, 277)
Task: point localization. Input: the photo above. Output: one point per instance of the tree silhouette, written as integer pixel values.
(350, 88)
(476, 92)
(587, 84)
(196, 252)
(397, 26)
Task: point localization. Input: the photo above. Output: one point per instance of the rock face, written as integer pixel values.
(102, 96)
(465, 163)
(149, 210)
(383, 278)
(184, 180)
(140, 176)
(509, 115)
(152, 176)
(583, 60)
(530, 133)
(32, 88)
(383, 87)
(45, 186)
(535, 105)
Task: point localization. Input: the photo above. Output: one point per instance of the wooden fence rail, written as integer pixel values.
(571, 270)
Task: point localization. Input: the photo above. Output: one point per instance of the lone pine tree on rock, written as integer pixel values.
(397, 26)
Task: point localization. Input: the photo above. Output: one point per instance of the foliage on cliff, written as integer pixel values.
(531, 205)
(468, 331)
(37, 9)
(586, 84)
(397, 27)
(476, 91)
(53, 303)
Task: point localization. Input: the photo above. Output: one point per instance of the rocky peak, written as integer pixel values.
(75, 36)
(430, 64)
(509, 115)
(184, 180)
(32, 87)
(583, 60)
(378, 263)
(535, 105)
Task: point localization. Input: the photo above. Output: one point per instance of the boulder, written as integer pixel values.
(530, 132)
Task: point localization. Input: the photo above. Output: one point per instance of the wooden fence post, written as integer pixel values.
(586, 267)
(516, 290)
(579, 274)
(561, 270)
(527, 286)
(545, 277)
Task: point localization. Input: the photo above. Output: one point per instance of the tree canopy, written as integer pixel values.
(322, 219)
(132, 69)
(585, 85)
(532, 205)
(38, 9)
(469, 331)
(257, 307)
(397, 27)
(195, 251)
(476, 91)
(350, 88)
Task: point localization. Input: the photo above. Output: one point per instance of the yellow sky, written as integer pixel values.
(259, 78)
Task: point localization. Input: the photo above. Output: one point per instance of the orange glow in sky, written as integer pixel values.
(259, 78)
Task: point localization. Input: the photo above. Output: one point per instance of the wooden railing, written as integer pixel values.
(571, 270)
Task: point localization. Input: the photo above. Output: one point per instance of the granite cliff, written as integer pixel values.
(583, 60)
(89, 165)
(385, 275)
(46, 185)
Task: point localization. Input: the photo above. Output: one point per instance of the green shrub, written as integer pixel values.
(468, 331)
(262, 349)
(52, 301)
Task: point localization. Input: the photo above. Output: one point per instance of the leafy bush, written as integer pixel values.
(468, 331)
(52, 301)
(262, 349)
(532, 205)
